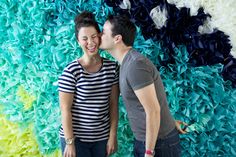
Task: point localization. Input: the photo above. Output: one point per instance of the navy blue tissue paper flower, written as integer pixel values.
(181, 29)
(208, 49)
(229, 70)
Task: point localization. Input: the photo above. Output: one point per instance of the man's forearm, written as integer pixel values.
(152, 128)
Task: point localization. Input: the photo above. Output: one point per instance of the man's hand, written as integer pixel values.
(178, 124)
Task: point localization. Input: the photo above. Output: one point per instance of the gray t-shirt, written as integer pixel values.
(137, 72)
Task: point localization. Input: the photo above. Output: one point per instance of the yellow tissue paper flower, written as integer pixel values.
(15, 142)
(25, 97)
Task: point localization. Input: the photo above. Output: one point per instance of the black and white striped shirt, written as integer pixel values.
(90, 108)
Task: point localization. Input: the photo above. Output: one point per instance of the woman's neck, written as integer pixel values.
(91, 60)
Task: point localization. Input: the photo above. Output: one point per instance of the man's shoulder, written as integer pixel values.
(135, 56)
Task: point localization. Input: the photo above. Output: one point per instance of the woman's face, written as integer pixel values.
(89, 40)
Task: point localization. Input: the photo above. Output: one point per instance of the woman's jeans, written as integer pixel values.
(87, 149)
(169, 146)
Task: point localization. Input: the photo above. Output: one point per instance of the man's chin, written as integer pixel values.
(101, 47)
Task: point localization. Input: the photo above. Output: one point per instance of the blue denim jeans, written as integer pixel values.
(87, 149)
(169, 146)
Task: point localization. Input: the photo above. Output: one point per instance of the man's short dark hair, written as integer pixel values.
(121, 25)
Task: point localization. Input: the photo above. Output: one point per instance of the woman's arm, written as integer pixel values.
(66, 100)
(112, 142)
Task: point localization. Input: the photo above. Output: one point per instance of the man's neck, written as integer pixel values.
(120, 53)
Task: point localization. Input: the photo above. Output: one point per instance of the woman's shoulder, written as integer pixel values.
(73, 64)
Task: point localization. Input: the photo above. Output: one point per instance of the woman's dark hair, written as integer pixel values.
(122, 25)
(85, 19)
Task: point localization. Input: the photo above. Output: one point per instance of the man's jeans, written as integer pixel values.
(169, 146)
(87, 149)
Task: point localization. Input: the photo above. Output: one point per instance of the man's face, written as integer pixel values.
(107, 41)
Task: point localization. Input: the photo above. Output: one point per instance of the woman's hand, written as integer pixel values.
(111, 145)
(69, 151)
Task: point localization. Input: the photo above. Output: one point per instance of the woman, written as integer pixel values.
(88, 95)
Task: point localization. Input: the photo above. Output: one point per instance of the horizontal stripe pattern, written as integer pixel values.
(90, 108)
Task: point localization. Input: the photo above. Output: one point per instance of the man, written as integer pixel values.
(142, 91)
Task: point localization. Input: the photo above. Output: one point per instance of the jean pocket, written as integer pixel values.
(139, 147)
(175, 148)
(175, 144)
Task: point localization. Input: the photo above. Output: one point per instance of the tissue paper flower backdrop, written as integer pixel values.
(192, 43)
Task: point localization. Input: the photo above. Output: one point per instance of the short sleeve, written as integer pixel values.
(116, 78)
(66, 82)
(140, 74)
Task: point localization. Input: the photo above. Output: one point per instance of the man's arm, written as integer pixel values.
(148, 98)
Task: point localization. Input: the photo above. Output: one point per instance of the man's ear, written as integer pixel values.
(118, 38)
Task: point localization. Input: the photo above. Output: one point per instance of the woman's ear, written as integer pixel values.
(78, 42)
(77, 39)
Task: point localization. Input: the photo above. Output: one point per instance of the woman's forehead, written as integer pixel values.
(87, 31)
